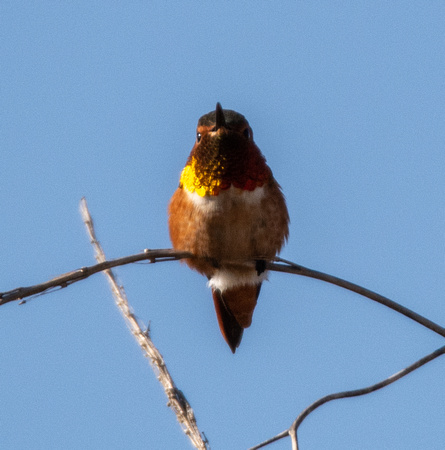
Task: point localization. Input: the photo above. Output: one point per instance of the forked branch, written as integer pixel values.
(292, 430)
(177, 400)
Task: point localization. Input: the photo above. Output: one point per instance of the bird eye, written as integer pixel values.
(246, 133)
(198, 137)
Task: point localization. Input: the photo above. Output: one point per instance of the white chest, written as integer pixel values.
(228, 200)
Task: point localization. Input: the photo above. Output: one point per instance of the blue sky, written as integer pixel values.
(101, 99)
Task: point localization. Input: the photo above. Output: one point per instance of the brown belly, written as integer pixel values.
(235, 226)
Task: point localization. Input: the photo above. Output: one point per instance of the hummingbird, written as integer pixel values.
(230, 214)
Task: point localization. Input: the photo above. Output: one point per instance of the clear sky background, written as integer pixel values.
(101, 99)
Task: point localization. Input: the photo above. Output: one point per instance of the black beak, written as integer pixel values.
(220, 121)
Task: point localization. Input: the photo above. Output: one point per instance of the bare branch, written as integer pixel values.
(176, 399)
(292, 431)
(375, 387)
(290, 267)
(68, 278)
(160, 255)
(276, 438)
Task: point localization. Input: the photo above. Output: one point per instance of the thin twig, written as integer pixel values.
(271, 440)
(366, 390)
(176, 399)
(68, 278)
(292, 431)
(159, 255)
(290, 267)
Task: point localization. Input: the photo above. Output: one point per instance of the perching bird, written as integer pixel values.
(230, 213)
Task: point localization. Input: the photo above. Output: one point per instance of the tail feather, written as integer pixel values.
(234, 309)
(230, 328)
